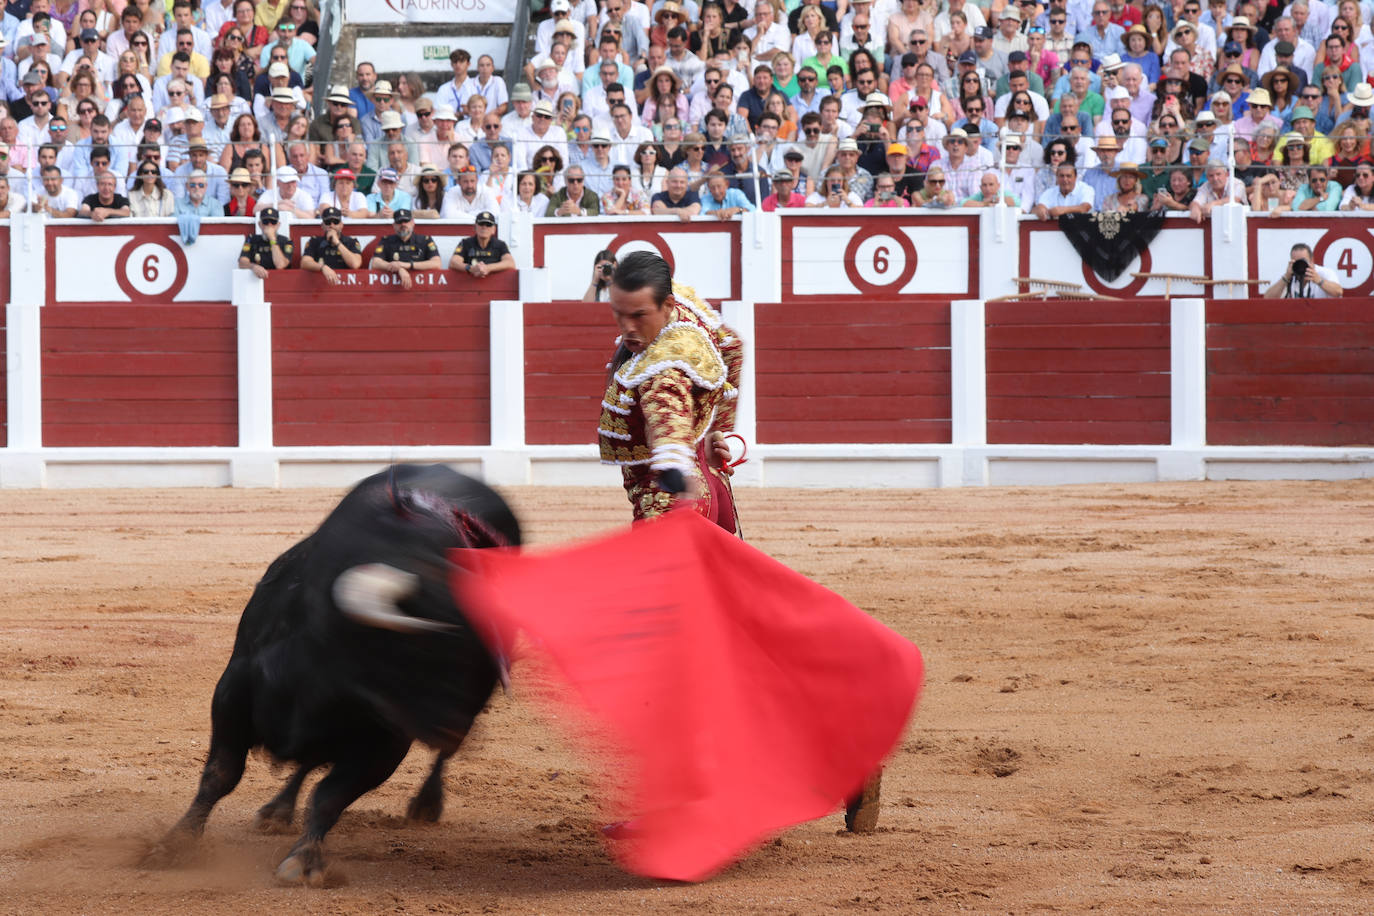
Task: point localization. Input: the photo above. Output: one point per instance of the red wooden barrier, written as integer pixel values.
(4, 391)
(139, 375)
(1290, 372)
(368, 364)
(1075, 372)
(873, 372)
(567, 346)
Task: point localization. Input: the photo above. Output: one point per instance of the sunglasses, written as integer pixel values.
(232, 184)
(935, 181)
(806, 79)
(269, 222)
(42, 101)
(332, 222)
(542, 160)
(813, 131)
(571, 180)
(148, 174)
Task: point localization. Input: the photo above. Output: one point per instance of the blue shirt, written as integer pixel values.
(733, 198)
(298, 54)
(1103, 45)
(399, 201)
(207, 207)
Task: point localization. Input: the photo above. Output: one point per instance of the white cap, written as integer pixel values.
(194, 114)
(286, 173)
(278, 69)
(174, 115)
(1117, 92)
(445, 113)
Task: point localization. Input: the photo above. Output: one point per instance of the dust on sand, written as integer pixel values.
(1138, 697)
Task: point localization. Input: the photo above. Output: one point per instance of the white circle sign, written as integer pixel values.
(880, 260)
(151, 268)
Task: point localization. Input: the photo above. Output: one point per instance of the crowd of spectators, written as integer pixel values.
(203, 107)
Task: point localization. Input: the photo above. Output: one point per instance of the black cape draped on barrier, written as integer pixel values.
(1109, 241)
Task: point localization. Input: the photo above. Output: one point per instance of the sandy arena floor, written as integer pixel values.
(1137, 697)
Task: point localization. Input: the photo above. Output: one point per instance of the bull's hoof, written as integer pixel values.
(861, 815)
(175, 848)
(426, 806)
(274, 818)
(304, 866)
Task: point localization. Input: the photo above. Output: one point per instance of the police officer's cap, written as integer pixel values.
(331, 213)
(485, 218)
(269, 213)
(401, 216)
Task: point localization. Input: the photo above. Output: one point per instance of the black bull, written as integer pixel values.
(350, 649)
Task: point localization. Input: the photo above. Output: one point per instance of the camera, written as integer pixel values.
(605, 269)
(835, 187)
(1300, 267)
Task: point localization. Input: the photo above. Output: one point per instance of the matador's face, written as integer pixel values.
(639, 316)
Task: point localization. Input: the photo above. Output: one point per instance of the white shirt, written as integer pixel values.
(456, 206)
(777, 38)
(355, 202)
(1304, 57)
(1052, 197)
(543, 36)
(203, 44)
(623, 148)
(104, 66)
(66, 199)
(527, 143)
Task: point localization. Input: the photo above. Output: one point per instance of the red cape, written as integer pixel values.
(745, 697)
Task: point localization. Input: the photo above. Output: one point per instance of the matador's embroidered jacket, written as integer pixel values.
(661, 404)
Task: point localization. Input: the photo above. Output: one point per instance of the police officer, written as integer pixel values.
(482, 254)
(405, 251)
(266, 250)
(331, 250)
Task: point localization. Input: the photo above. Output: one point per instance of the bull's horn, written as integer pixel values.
(368, 594)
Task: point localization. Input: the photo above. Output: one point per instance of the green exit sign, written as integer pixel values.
(436, 52)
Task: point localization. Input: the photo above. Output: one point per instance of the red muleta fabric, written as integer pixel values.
(745, 697)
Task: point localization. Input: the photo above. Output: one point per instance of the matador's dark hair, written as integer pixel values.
(639, 269)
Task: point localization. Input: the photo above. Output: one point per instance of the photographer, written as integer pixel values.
(833, 193)
(603, 266)
(331, 250)
(1303, 279)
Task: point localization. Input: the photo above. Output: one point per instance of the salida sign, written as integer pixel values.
(445, 12)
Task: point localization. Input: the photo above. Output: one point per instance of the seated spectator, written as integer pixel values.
(1177, 194)
(1360, 194)
(624, 199)
(387, 197)
(597, 166)
(529, 198)
(574, 199)
(467, 197)
(428, 197)
(482, 253)
(722, 201)
(287, 196)
(885, 193)
(1320, 192)
(1069, 195)
(149, 197)
(990, 193)
(833, 192)
(406, 250)
(677, 198)
(106, 202)
(266, 249)
(10, 202)
(198, 160)
(197, 200)
(935, 193)
(60, 202)
(331, 250)
(345, 197)
(1274, 194)
(1219, 189)
(1128, 196)
(784, 193)
(242, 202)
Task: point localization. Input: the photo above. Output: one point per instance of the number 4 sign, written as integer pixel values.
(1349, 256)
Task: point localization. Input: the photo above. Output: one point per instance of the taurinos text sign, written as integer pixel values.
(437, 11)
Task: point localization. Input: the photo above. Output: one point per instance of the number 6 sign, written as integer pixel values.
(151, 271)
(879, 263)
